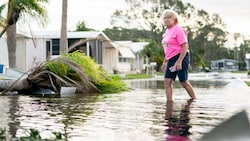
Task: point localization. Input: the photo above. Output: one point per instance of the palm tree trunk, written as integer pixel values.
(11, 42)
(3, 31)
(63, 39)
(14, 85)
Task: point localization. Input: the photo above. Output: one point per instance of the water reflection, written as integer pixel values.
(13, 115)
(159, 84)
(45, 113)
(177, 119)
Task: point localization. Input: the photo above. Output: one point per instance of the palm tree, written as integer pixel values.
(1, 18)
(63, 39)
(17, 9)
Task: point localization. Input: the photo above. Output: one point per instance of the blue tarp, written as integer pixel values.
(1, 68)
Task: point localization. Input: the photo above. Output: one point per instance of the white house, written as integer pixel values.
(129, 58)
(98, 47)
(125, 56)
(34, 49)
(140, 61)
(27, 53)
(224, 65)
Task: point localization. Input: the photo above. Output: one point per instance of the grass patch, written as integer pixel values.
(137, 76)
(239, 71)
(248, 83)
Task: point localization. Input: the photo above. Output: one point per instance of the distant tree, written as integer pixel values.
(207, 36)
(16, 10)
(82, 26)
(241, 52)
(206, 32)
(244, 49)
(120, 33)
(146, 15)
(2, 19)
(154, 52)
(64, 39)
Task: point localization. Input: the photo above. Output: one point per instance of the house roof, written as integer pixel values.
(78, 34)
(222, 60)
(134, 46)
(19, 34)
(128, 48)
(118, 44)
(126, 52)
(124, 48)
(138, 46)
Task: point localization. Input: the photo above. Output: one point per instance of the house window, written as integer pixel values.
(52, 47)
(81, 47)
(221, 64)
(96, 50)
(55, 47)
(92, 48)
(123, 60)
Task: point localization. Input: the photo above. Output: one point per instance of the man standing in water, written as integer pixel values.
(177, 57)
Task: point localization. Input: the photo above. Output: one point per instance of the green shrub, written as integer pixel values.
(32, 135)
(98, 76)
(95, 73)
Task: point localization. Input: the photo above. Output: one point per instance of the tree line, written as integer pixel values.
(207, 33)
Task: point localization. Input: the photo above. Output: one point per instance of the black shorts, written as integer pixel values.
(183, 73)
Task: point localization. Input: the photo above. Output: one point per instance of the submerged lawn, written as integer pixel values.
(137, 76)
(248, 83)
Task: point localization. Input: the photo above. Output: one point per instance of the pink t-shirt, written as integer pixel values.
(172, 40)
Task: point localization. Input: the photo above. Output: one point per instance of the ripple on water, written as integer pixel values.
(140, 114)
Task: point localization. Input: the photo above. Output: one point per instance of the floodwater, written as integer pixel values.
(141, 114)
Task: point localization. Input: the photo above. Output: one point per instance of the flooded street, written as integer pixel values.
(136, 115)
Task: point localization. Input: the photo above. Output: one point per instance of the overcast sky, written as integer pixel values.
(235, 13)
(97, 13)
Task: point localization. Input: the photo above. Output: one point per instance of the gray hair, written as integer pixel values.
(170, 11)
